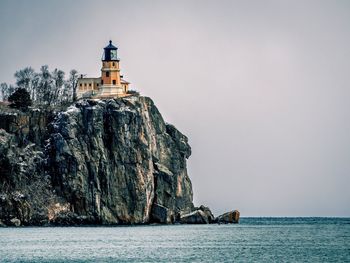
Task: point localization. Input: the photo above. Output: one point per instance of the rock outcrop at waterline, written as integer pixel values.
(201, 215)
(228, 217)
(97, 162)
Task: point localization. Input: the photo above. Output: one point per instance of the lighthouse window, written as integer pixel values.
(107, 74)
(114, 82)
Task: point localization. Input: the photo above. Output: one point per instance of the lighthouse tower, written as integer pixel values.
(111, 84)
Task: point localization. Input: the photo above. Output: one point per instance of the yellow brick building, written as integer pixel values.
(110, 84)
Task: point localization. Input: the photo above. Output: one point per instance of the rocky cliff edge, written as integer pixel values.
(97, 162)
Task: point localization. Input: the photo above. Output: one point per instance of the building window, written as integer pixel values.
(89, 84)
(113, 64)
(114, 82)
(85, 84)
(97, 84)
(102, 82)
(81, 85)
(107, 74)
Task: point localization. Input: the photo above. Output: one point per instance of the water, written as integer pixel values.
(253, 240)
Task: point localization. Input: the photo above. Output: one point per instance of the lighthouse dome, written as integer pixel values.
(110, 53)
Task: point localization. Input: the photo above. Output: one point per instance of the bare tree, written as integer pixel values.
(73, 80)
(44, 85)
(3, 88)
(26, 78)
(57, 87)
(6, 90)
(66, 94)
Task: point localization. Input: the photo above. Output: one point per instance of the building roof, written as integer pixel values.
(110, 46)
(124, 81)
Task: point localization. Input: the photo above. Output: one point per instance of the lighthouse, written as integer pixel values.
(110, 84)
(110, 72)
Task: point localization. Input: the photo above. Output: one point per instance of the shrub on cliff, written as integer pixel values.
(133, 92)
(20, 99)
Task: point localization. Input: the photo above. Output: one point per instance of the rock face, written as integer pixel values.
(229, 217)
(25, 188)
(97, 162)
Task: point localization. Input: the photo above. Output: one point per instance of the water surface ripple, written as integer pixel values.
(253, 240)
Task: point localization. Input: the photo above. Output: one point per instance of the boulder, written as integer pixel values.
(201, 215)
(229, 217)
(195, 217)
(208, 213)
(14, 205)
(15, 222)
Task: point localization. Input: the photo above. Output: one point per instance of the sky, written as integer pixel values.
(260, 88)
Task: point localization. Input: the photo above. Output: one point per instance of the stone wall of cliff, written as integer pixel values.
(105, 162)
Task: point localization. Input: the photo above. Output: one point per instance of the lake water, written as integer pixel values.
(253, 240)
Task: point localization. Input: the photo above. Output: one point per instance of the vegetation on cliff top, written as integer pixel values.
(46, 88)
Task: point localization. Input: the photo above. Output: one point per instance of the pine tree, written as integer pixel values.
(20, 99)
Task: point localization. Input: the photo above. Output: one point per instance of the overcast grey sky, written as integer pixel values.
(261, 88)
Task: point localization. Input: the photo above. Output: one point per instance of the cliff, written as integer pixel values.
(97, 162)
